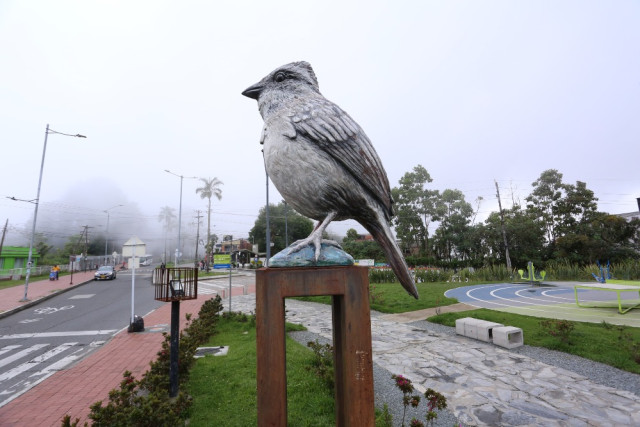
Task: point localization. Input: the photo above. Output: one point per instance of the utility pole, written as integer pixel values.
(85, 234)
(4, 231)
(197, 235)
(73, 256)
(504, 233)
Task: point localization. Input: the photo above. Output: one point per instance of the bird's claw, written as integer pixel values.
(317, 244)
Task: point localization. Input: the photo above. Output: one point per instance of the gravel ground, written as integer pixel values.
(386, 391)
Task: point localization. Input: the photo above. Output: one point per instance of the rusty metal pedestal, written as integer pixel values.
(349, 288)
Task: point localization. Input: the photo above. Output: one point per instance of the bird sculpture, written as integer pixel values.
(322, 162)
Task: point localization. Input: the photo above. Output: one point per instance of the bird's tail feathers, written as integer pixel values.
(382, 234)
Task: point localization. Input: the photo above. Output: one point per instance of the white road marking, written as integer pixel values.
(21, 354)
(15, 390)
(57, 334)
(50, 310)
(518, 293)
(60, 364)
(546, 294)
(82, 296)
(35, 361)
(31, 320)
(8, 348)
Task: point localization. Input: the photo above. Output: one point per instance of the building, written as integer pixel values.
(13, 261)
(134, 246)
(229, 246)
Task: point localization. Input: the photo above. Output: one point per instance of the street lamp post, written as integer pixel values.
(179, 212)
(106, 240)
(37, 203)
(267, 217)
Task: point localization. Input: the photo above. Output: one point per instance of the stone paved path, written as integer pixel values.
(483, 384)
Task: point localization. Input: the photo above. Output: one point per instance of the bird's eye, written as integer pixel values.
(280, 77)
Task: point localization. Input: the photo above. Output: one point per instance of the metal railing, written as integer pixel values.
(20, 273)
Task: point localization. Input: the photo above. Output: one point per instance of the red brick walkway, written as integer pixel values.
(73, 390)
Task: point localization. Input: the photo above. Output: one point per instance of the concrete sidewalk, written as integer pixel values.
(72, 391)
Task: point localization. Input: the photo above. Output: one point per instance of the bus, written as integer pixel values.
(146, 260)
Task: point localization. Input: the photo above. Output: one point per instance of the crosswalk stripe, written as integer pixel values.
(59, 365)
(8, 348)
(58, 334)
(36, 360)
(21, 354)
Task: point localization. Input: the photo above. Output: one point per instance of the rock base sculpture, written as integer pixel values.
(331, 254)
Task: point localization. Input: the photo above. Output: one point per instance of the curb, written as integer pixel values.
(41, 299)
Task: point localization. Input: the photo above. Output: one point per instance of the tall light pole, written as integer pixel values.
(268, 228)
(182, 177)
(37, 203)
(106, 240)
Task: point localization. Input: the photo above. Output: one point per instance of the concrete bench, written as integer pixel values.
(476, 328)
(508, 336)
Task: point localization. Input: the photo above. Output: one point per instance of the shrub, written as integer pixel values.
(558, 328)
(322, 363)
(146, 402)
(434, 399)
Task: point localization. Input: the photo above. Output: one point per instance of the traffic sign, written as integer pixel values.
(221, 261)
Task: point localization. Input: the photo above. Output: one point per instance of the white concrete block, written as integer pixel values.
(508, 336)
(460, 325)
(484, 330)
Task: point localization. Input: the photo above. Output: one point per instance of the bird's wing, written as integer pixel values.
(339, 135)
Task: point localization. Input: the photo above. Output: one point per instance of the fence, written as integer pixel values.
(20, 273)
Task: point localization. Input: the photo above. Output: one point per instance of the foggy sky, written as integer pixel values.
(473, 91)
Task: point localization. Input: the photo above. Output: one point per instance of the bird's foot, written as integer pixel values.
(316, 241)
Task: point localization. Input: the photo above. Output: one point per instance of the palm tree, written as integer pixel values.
(167, 216)
(210, 188)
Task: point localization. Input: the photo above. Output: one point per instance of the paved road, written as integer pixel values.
(55, 334)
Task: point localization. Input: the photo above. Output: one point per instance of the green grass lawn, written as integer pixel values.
(392, 298)
(605, 343)
(609, 344)
(11, 283)
(224, 387)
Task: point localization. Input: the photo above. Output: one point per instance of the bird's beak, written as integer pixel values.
(253, 91)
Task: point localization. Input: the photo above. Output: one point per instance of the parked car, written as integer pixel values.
(106, 272)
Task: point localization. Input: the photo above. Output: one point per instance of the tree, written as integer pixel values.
(167, 217)
(578, 207)
(352, 235)
(544, 199)
(526, 237)
(298, 227)
(362, 249)
(210, 188)
(604, 237)
(455, 214)
(416, 206)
